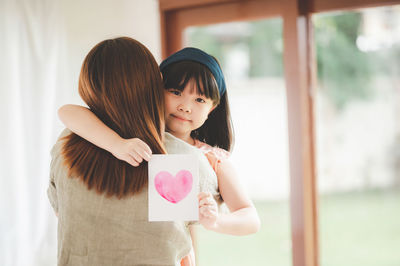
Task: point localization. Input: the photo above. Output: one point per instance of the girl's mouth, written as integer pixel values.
(180, 118)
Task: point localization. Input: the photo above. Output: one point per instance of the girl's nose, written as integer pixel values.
(184, 108)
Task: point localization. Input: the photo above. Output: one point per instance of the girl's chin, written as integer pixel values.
(178, 131)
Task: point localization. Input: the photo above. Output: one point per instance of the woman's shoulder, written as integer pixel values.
(57, 147)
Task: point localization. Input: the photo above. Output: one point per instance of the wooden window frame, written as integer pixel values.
(300, 80)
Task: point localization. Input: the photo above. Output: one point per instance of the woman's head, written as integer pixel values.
(192, 71)
(121, 84)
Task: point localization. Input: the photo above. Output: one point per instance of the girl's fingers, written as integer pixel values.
(207, 215)
(140, 152)
(132, 161)
(207, 201)
(203, 195)
(143, 146)
(146, 148)
(204, 214)
(207, 211)
(136, 156)
(144, 155)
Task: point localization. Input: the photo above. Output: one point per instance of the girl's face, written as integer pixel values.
(185, 111)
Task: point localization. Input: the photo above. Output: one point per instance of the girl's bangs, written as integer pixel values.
(178, 75)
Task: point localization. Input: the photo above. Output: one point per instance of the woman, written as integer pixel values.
(101, 201)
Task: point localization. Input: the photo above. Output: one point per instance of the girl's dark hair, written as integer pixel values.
(217, 130)
(121, 83)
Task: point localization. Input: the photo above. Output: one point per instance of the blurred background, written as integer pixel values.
(42, 46)
(357, 130)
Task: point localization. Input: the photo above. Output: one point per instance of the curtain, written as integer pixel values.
(42, 46)
(31, 52)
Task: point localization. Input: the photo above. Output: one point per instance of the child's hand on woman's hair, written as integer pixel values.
(132, 151)
(208, 210)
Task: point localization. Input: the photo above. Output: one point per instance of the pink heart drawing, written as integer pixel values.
(173, 188)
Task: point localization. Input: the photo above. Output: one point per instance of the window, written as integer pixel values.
(358, 136)
(250, 54)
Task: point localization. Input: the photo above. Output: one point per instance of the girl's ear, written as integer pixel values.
(212, 109)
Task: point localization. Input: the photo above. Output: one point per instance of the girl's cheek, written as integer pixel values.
(168, 102)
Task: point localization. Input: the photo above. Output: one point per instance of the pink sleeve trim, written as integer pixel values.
(214, 155)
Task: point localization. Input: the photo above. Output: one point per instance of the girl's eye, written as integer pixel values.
(200, 100)
(175, 92)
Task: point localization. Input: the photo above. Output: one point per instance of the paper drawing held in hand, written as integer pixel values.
(173, 188)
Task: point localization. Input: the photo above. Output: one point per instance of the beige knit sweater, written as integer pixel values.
(97, 230)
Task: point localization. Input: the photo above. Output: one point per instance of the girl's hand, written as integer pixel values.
(208, 210)
(132, 151)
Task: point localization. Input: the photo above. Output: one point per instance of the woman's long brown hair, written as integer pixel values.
(121, 83)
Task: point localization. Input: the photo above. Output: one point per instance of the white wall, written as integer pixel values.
(88, 22)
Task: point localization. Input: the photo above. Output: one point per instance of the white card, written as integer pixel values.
(173, 187)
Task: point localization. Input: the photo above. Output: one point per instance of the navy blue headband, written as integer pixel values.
(197, 55)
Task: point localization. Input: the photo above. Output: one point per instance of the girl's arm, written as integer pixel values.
(242, 219)
(84, 123)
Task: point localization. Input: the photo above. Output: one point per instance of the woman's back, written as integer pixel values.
(97, 230)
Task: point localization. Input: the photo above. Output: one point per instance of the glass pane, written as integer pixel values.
(358, 136)
(250, 54)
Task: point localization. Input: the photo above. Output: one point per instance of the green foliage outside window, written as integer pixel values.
(344, 71)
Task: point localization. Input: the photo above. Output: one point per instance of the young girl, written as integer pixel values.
(196, 111)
